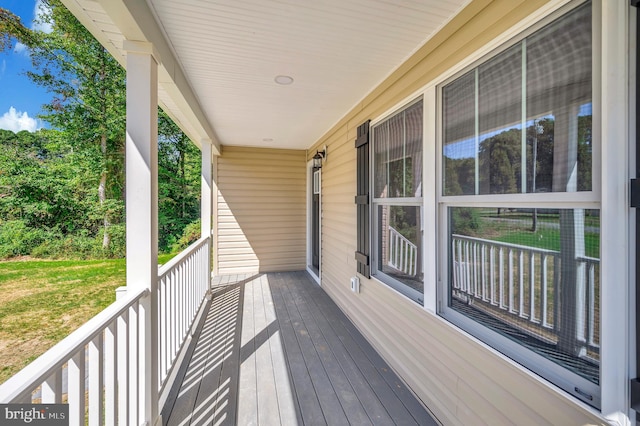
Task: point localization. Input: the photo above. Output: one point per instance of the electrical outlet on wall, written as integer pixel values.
(355, 284)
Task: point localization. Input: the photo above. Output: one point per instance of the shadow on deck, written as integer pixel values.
(274, 349)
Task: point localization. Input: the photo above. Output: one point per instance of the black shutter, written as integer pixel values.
(362, 200)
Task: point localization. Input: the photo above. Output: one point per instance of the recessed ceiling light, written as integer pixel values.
(283, 79)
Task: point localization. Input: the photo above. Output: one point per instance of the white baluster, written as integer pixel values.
(96, 381)
(52, 388)
(122, 365)
(110, 375)
(76, 388)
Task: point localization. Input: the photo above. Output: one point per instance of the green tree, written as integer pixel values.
(179, 165)
(42, 191)
(11, 28)
(42, 182)
(540, 137)
(72, 179)
(451, 179)
(500, 163)
(459, 176)
(585, 153)
(88, 105)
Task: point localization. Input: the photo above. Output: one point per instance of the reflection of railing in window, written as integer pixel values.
(403, 254)
(521, 286)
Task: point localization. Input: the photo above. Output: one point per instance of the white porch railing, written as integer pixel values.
(520, 285)
(403, 254)
(98, 362)
(182, 286)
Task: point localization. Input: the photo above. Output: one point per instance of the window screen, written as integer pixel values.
(397, 178)
(521, 121)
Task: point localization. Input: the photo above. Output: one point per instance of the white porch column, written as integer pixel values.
(142, 214)
(206, 186)
(206, 199)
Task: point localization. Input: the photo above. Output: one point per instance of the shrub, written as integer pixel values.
(466, 221)
(118, 245)
(70, 247)
(83, 246)
(190, 235)
(17, 239)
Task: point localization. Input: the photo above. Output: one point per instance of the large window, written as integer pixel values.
(397, 201)
(522, 220)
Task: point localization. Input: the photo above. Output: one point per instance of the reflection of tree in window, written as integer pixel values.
(400, 178)
(459, 176)
(500, 163)
(584, 153)
(404, 221)
(541, 135)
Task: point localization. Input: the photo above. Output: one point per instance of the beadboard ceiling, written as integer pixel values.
(227, 53)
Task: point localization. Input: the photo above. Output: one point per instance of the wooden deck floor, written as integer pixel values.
(274, 349)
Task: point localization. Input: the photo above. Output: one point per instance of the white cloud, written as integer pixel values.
(17, 120)
(40, 22)
(21, 48)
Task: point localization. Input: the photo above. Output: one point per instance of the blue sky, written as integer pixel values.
(20, 100)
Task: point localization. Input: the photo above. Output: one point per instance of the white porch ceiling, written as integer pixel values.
(230, 51)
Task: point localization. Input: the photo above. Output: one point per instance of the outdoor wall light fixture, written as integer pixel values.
(319, 158)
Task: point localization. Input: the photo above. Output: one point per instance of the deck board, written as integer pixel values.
(247, 393)
(305, 397)
(275, 349)
(341, 342)
(329, 403)
(286, 405)
(390, 390)
(341, 388)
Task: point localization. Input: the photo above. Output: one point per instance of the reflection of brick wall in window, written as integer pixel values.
(384, 235)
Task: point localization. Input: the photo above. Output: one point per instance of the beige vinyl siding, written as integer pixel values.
(261, 213)
(460, 379)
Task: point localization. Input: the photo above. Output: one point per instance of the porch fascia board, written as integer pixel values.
(134, 20)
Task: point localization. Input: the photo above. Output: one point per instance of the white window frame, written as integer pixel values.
(593, 199)
(615, 222)
(376, 273)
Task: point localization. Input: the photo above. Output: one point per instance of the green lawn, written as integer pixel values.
(549, 239)
(515, 228)
(43, 301)
(589, 220)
